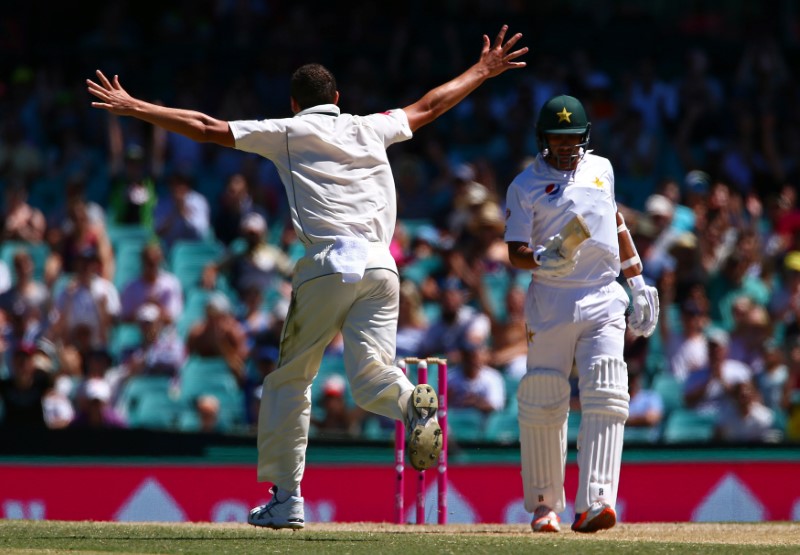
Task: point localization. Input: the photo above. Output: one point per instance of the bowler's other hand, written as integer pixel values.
(111, 94)
(496, 58)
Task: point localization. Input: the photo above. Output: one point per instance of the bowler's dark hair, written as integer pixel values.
(313, 84)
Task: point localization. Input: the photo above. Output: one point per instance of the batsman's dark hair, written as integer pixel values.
(313, 84)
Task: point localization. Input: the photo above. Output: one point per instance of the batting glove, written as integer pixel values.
(550, 260)
(644, 317)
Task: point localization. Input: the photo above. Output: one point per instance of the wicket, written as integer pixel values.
(399, 446)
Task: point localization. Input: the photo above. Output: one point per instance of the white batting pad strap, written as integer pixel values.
(604, 406)
(543, 398)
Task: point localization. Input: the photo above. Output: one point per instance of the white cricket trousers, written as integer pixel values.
(366, 313)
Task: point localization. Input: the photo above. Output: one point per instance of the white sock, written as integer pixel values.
(284, 494)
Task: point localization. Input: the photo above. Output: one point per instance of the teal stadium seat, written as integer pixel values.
(465, 424)
(39, 252)
(124, 336)
(212, 376)
(148, 402)
(670, 389)
(119, 234)
(573, 426)
(688, 426)
(503, 427)
(127, 263)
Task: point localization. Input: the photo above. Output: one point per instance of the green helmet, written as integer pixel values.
(565, 115)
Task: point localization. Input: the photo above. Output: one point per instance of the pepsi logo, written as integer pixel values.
(552, 189)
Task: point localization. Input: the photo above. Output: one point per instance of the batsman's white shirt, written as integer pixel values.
(542, 199)
(341, 193)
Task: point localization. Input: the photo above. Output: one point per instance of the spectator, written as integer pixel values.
(161, 352)
(751, 329)
(456, 320)
(219, 334)
(687, 349)
(743, 418)
(155, 285)
(255, 319)
(34, 294)
(77, 234)
(772, 380)
(412, 325)
(646, 408)
(706, 389)
(208, 407)
(132, 191)
(260, 264)
(472, 383)
(22, 393)
(265, 359)
(21, 221)
(510, 336)
(730, 283)
(183, 215)
(337, 418)
(94, 406)
(88, 307)
(235, 203)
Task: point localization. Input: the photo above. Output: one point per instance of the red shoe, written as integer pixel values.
(545, 520)
(600, 516)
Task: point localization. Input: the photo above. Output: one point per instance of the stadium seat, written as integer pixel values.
(670, 390)
(124, 336)
(573, 426)
(212, 376)
(155, 412)
(118, 234)
(688, 426)
(148, 401)
(38, 252)
(642, 434)
(465, 424)
(127, 263)
(503, 427)
(185, 252)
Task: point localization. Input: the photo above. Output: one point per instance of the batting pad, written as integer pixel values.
(543, 398)
(604, 406)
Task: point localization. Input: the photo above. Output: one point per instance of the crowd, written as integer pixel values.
(129, 252)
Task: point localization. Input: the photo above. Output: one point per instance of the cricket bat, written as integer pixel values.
(572, 235)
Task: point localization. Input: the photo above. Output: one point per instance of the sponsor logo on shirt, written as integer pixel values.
(552, 191)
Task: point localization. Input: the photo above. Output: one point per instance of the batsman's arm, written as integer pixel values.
(630, 263)
(189, 123)
(521, 255)
(494, 60)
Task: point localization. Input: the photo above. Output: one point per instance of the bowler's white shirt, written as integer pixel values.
(334, 167)
(542, 199)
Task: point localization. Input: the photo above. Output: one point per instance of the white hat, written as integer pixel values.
(219, 302)
(254, 222)
(148, 312)
(659, 205)
(97, 389)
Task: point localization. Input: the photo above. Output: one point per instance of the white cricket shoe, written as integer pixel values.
(424, 437)
(600, 516)
(545, 520)
(279, 514)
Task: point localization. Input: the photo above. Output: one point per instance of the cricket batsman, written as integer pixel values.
(562, 223)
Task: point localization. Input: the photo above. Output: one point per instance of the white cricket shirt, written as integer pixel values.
(334, 167)
(542, 199)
